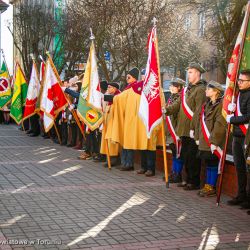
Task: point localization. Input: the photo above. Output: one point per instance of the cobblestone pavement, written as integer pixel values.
(51, 200)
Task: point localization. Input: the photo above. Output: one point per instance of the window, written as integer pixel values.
(202, 24)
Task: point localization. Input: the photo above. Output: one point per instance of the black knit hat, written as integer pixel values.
(134, 73)
(114, 84)
(104, 85)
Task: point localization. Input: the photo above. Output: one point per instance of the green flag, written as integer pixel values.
(19, 95)
(5, 89)
(89, 105)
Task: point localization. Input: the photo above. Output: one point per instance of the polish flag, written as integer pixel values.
(150, 105)
(33, 92)
(52, 99)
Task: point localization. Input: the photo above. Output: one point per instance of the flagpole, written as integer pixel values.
(34, 64)
(9, 76)
(92, 38)
(57, 132)
(41, 80)
(229, 125)
(162, 123)
(4, 59)
(67, 99)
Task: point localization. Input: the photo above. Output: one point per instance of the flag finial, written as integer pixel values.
(92, 37)
(41, 58)
(154, 21)
(32, 56)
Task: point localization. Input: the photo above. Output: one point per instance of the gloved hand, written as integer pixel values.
(71, 107)
(178, 138)
(163, 109)
(228, 118)
(197, 143)
(70, 117)
(212, 147)
(231, 107)
(191, 134)
(63, 88)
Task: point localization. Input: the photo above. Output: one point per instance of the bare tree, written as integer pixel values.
(225, 20)
(34, 30)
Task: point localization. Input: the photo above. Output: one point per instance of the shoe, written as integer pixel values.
(56, 141)
(182, 184)
(203, 191)
(175, 178)
(83, 156)
(248, 212)
(99, 158)
(171, 178)
(45, 137)
(141, 171)
(63, 143)
(208, 191)
(69, 145)
(245, 205)
(33, 135)
(127, 168)
(236, 201)
(190, 187)
(29, 132)
(149, 173)
(77, 147)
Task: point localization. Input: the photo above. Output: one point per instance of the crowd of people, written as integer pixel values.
(196, 130)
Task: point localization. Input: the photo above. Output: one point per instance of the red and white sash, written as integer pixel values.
(188, 112)
(243, 127)
(176, 139)
(218, 151)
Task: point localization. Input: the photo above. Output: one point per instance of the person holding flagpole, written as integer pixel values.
(240, 120)
(210, 136)
(176, 86)
(247, 155)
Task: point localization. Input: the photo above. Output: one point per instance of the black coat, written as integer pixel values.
(245, 110)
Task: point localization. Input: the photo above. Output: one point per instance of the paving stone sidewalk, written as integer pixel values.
(51, 200)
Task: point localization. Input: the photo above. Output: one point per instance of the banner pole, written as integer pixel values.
(229, 125)
(162, 123)
(69, 102)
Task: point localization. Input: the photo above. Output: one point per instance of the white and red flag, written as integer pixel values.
(230, 93)
(52, 99)
(150, 105)
(33, 92)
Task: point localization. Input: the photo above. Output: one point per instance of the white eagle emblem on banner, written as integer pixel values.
(151, 89)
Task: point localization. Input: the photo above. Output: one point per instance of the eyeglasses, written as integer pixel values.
(242, 81)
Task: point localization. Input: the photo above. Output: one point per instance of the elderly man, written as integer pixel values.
(128, 129)
(112, 90)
